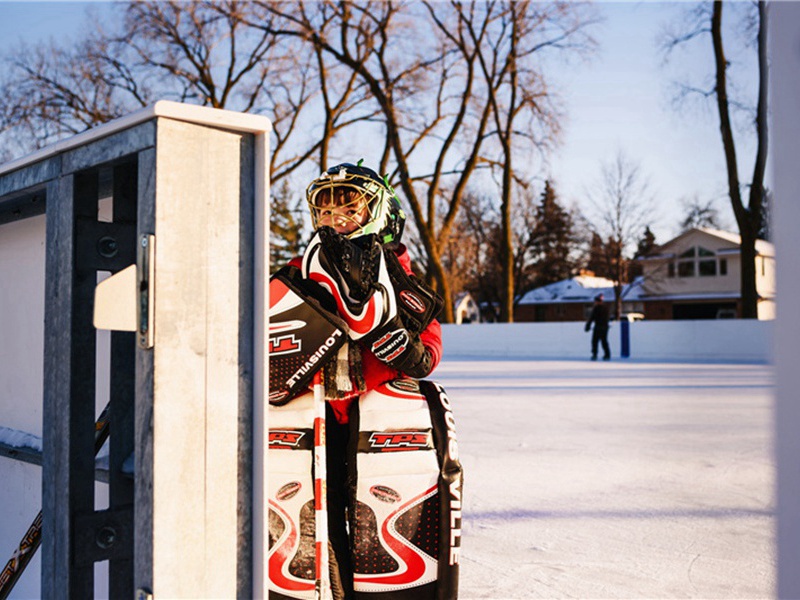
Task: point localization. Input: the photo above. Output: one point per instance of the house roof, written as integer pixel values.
(763, 247)
(580, 289)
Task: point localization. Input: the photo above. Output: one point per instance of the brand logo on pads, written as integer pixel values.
(385, 494)
(285, 438)
(288, 491)
(405, 385)
(412, 301)
(397, 441)
(315, 358)
(284, 344)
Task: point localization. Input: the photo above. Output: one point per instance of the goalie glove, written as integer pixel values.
(417, 303)
(403, 351)
(354, 272)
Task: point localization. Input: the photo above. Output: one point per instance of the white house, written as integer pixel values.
(693, 276)
(697, 275)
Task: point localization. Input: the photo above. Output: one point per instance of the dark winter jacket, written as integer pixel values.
(599, 316)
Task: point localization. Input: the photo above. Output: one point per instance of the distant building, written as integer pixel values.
(697, 275)
(466, 310)
(693, 276)
(571, 299)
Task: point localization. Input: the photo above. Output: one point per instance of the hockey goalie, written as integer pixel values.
(365, 484)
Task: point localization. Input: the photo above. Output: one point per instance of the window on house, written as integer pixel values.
(723, 266)
(699, 261)
(707, 268)
(671, 270)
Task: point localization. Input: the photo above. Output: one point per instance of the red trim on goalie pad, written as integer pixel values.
(412, 566)
(283, 552)
(411, 551)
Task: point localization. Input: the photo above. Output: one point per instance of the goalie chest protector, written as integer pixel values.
(405, 525)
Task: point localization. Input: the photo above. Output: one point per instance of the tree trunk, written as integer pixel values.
(748, 257)
(748, 219)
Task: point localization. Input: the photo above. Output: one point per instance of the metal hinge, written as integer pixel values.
(124, 301)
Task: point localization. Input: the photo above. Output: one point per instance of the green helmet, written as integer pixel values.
(363, 201)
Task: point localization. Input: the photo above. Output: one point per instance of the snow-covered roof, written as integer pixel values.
(582, 288)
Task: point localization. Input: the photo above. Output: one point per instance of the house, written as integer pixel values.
(466, 310)
(571, 299)
(693, 276)
(697, 275)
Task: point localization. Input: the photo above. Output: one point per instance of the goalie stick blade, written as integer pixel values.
(303, 337)
(33, 537)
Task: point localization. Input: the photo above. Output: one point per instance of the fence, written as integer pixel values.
(714, 340)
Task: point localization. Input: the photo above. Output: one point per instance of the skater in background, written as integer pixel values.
(358, 222)
(599, 316)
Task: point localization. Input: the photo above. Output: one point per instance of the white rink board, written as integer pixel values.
(713, 340)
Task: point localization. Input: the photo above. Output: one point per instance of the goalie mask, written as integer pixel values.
(356, 201)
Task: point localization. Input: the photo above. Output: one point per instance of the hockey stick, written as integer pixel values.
(33, 537)
(322, 584)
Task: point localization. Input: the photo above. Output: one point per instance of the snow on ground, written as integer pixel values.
(615, 480)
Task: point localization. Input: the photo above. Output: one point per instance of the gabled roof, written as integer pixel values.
(763, 247)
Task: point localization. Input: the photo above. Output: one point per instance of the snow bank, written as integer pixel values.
(734, 340)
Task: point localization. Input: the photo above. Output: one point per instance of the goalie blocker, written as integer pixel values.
(405, 495)
(303, 334)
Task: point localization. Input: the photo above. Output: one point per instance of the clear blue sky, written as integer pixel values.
(618, 100)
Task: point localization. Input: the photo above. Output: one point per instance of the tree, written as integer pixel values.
(597, 257)
(522, 104)
(474, 248)
(554, 239)
(332, 76)
(432, 104)
(749, 217)
(285, 225)
(623, 206)
(204, 53)
(699, 214)
(645, 247)
(405, 74)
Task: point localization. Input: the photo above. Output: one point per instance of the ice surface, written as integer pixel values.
(615, 480)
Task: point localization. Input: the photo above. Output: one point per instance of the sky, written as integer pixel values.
(620, 100)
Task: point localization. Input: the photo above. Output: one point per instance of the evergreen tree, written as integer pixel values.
(645, 246)
(597, 261)
(286, 227)
(553, 239)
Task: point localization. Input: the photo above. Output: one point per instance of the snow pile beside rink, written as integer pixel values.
(615, 480)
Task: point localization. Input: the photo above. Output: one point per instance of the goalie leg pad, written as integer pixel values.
(405, 533)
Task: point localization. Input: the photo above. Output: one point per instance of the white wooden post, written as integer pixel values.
(784, 33)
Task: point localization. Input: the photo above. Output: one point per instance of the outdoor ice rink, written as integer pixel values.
(615, 480)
